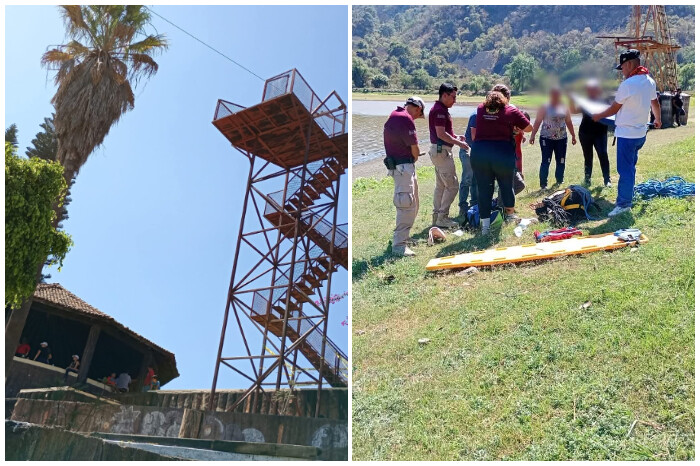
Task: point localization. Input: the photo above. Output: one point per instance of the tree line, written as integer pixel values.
(416, 47)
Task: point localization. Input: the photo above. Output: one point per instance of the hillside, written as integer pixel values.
(404, 47)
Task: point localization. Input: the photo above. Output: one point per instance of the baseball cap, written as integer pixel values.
(76, 356)
(43, 343)
(418, 102)
(626, 56)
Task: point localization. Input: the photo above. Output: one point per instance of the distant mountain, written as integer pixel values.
(415, 46)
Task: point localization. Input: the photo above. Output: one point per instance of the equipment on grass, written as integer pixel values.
(674, 186)
(534, 251)
(436, 234)
(566, 207)
(628, 234)
(555, 235)
(472, 220)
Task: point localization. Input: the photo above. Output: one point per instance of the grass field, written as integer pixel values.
(516, 367)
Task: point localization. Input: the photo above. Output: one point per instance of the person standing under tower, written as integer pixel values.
(442, 139)
(631, 109)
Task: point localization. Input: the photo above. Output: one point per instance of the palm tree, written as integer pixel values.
(108, 52)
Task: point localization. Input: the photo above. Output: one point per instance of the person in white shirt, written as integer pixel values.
(631, 109)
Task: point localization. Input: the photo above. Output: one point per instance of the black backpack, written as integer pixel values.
(567, 206)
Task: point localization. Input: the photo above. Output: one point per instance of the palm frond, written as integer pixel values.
(76, 49)
(55, 57)
(142, 65)
(74, 20)
(157, 43)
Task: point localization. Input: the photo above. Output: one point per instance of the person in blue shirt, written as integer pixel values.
(467, 185)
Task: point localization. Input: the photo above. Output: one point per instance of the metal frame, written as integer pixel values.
(652, 37)
(277, 241)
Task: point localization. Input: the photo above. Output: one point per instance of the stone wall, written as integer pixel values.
(334, 401)
(27, 442)
(328, 434)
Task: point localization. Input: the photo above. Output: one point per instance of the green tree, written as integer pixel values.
(45, 142)
(33, 187)
(686, 76)
(521, 71)
(11, 135)
(110, 50)
(360, 73)
(379, 80)
(364, 20)
(421, 79)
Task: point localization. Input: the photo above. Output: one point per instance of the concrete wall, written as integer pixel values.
(334, 401)
(27, 374)
(98, 417)
(331, 436)
(27, 442)
(328, 434)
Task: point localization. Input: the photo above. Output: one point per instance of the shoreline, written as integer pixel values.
(375, 168)
(525, 101)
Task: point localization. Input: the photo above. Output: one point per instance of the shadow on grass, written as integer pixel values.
(361, 266)
(476, 243)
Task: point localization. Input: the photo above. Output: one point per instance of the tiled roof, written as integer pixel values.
(54, 294)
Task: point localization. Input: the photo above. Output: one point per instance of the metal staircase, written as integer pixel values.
(290, 242)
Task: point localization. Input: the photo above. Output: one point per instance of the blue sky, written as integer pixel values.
(156, 209)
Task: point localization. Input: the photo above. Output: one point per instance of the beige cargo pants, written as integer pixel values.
(446, 183)
(405, 200)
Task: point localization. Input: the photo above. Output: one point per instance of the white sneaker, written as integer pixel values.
(403, 251)
(618, 210)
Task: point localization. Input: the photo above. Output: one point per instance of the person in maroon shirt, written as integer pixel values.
(401, 145)
(442, 139)
(493, 153)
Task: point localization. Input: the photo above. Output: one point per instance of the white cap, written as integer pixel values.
(417, 101)
(76, 356)
(43, 343)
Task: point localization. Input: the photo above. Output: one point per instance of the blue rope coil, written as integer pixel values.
(674, 186)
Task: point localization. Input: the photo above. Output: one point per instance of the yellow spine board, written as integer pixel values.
(530, 252)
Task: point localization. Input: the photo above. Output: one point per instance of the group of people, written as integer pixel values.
(120, 383)
(490, 149)
(43, 354)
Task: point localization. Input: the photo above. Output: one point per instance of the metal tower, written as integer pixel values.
(649, 33)
(289, 241)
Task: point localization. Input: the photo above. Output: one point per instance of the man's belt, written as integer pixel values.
(391, 163)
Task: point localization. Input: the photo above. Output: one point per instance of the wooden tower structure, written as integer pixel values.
(290, 242)
(648, 32)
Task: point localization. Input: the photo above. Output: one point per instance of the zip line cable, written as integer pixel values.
(205, 44)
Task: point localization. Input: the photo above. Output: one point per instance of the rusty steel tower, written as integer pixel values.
(648, 32)
(290, 241)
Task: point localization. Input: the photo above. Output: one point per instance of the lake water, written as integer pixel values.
(368, 117)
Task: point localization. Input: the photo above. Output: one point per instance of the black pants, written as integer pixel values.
(549, 147)
(599, 142)
(677, 115)
(68, 370)
(491, 161)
